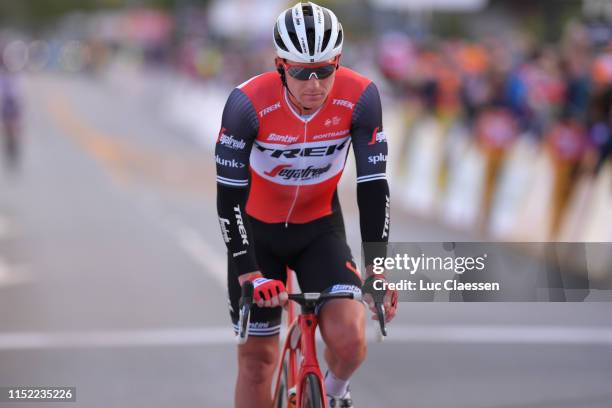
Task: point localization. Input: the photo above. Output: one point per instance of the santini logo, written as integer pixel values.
(273, 137)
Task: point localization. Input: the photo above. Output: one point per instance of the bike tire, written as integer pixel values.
(312, 395)
(281, 398)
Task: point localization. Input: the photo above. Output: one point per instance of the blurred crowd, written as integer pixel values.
(507, 87)
(501, 89)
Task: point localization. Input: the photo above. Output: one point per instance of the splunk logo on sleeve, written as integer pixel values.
(314, 151)
(377, 158)
(287, 172)
(233, 163)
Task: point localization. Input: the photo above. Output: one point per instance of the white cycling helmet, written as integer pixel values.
(308, 33)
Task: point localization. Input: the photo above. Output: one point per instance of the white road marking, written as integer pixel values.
(455, 334)
(510, 334)
(203, 254)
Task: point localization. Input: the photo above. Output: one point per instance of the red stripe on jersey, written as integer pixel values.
(371, 142)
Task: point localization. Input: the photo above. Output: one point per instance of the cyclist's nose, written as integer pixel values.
(313, 83)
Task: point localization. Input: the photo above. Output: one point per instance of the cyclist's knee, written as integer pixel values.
(348, 343)
(257, 359)
(344, 332)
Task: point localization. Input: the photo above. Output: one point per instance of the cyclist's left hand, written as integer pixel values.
(390, 302)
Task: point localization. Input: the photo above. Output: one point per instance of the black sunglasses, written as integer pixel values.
(304, 73)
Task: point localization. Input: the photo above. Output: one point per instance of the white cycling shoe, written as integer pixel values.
(343, 402)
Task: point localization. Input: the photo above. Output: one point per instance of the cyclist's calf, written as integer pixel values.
(257, 361)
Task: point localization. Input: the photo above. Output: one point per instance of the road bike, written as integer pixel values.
(299, 382)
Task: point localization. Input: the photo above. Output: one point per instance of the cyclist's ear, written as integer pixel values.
(338, 61)
(281, 71)
(279, 66)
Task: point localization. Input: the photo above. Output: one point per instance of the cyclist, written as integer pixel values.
(282, 147)
(10, 111)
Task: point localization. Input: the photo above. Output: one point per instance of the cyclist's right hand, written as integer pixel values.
(266, 292)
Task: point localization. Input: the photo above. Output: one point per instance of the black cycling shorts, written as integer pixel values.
(317, 251)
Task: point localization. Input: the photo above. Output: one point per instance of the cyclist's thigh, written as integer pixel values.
(324, 263)
(264, 321)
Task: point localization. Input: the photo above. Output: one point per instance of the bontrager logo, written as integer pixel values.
(269, 109)
(273, 137)
(286, 172)
(241, 229)
(331, 134)
(231, 142)
(224, 222)
(318, 151)
(344, 103)
(378, 158)
(229, 163)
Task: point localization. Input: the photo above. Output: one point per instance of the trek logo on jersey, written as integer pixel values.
(318, 151)
(269, 109)
(377, 137)
(229, 163)
(378, 158)
(241, 229)
(288, 173)
(230, 141)
(273, 137)
(224, 222)
(385, 232)
(343, 103)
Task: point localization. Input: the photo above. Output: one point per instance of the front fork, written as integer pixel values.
(307, 323)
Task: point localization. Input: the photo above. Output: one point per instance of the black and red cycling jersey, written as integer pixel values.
(280, 167)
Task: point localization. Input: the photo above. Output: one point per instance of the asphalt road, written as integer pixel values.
(112, 271)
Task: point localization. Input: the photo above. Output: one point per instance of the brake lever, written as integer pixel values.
(380, 313)
(244, 317)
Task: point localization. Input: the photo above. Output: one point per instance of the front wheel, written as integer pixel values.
(281, 398)
(312, 396)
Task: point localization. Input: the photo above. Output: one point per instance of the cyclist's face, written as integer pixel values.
(310, 93)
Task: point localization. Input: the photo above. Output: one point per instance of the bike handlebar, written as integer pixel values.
(310, 299)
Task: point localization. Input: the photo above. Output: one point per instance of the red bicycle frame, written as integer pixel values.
(299, 356)
(301, 347)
